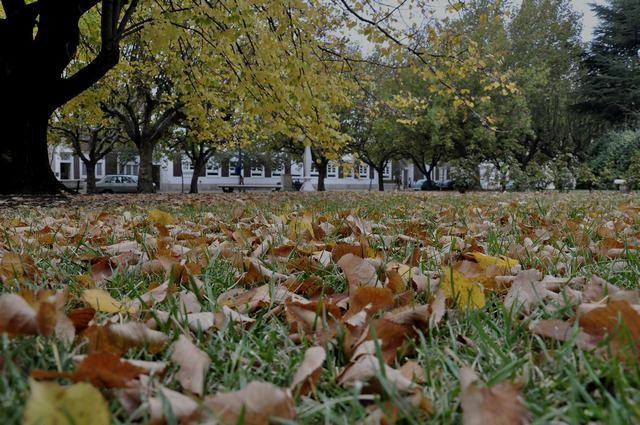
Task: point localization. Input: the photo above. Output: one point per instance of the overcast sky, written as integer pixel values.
(589, 20)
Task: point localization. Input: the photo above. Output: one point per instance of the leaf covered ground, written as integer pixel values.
(334, 308)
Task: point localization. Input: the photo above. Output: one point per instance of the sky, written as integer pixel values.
(589, 21)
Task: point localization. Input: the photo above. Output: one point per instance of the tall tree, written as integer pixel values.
(38, 42)
(544, 53)
(611, 85)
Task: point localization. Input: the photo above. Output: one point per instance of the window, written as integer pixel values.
(83, 169)
(130, 169)
(314, 170)
(187, 165)
(296, 169)
(213, 168)
(332, 169)
(387, 171)
(277, 172)
(257, 171)
(65, 156)
(99, 169)
(362, 171)
(234, 167)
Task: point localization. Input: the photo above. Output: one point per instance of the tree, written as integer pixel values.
(38, 42)
(610, 88)
(81, 124)
(543, 51)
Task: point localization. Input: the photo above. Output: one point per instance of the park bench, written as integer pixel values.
(73, 184)
(228, 188)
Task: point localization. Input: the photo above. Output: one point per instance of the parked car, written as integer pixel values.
(423, 184)
(118, 183)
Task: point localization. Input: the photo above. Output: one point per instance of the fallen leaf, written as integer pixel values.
(462, 291)
(52, 404)
(308, 373)
(500, 404)
(161, 217)
(193, 363)
(101, 300)
(357, 271)
(119, 338)
(102, 369)
(257, 403)
(368, 370)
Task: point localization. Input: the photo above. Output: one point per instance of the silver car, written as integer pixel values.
(117, 183)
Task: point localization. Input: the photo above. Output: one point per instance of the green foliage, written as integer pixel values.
(611, 84)
(633, 172)
(612, 156)
(464, 174)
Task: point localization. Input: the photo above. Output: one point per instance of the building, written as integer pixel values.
(174, 174)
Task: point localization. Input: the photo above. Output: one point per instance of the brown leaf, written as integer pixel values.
(620, 321)
(80, 317)
(44, 316)
(358, 271)
(562, 331)
(342, 249)
(256, 403)
(119, 338)
(193, 363)
(500, 404)
(367, 369)
(17, 266)
(309, 371)
(101, 369)
(313, 318)
(370, 299)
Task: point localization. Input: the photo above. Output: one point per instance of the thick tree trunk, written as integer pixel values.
(24, 158)
(380, 179)
(145, 172)
(197, 171)
(322, 175)
(91, 176)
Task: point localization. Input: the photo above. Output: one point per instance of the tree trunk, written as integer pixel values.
(197, 171)
(322, 175)
(91, 176)
(380, 179)
(24, 158)
(145, 172)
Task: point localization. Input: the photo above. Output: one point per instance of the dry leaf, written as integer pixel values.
(119, 338)
(357, 271)
(193, 363)
(256, 403)
(308, 372)
(500, 404)
(458, 288)
(102, 369)
(101, 300)
(52, 404)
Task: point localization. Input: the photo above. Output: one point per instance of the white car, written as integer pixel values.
(117, 183)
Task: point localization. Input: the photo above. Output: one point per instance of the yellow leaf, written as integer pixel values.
(457, 6)
(53, 404)
(100, 300)
(161, 217)
(501, 262)
(456, 286)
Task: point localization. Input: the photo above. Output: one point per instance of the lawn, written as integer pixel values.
(334, 308)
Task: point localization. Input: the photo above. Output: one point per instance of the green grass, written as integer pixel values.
(559, 381)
